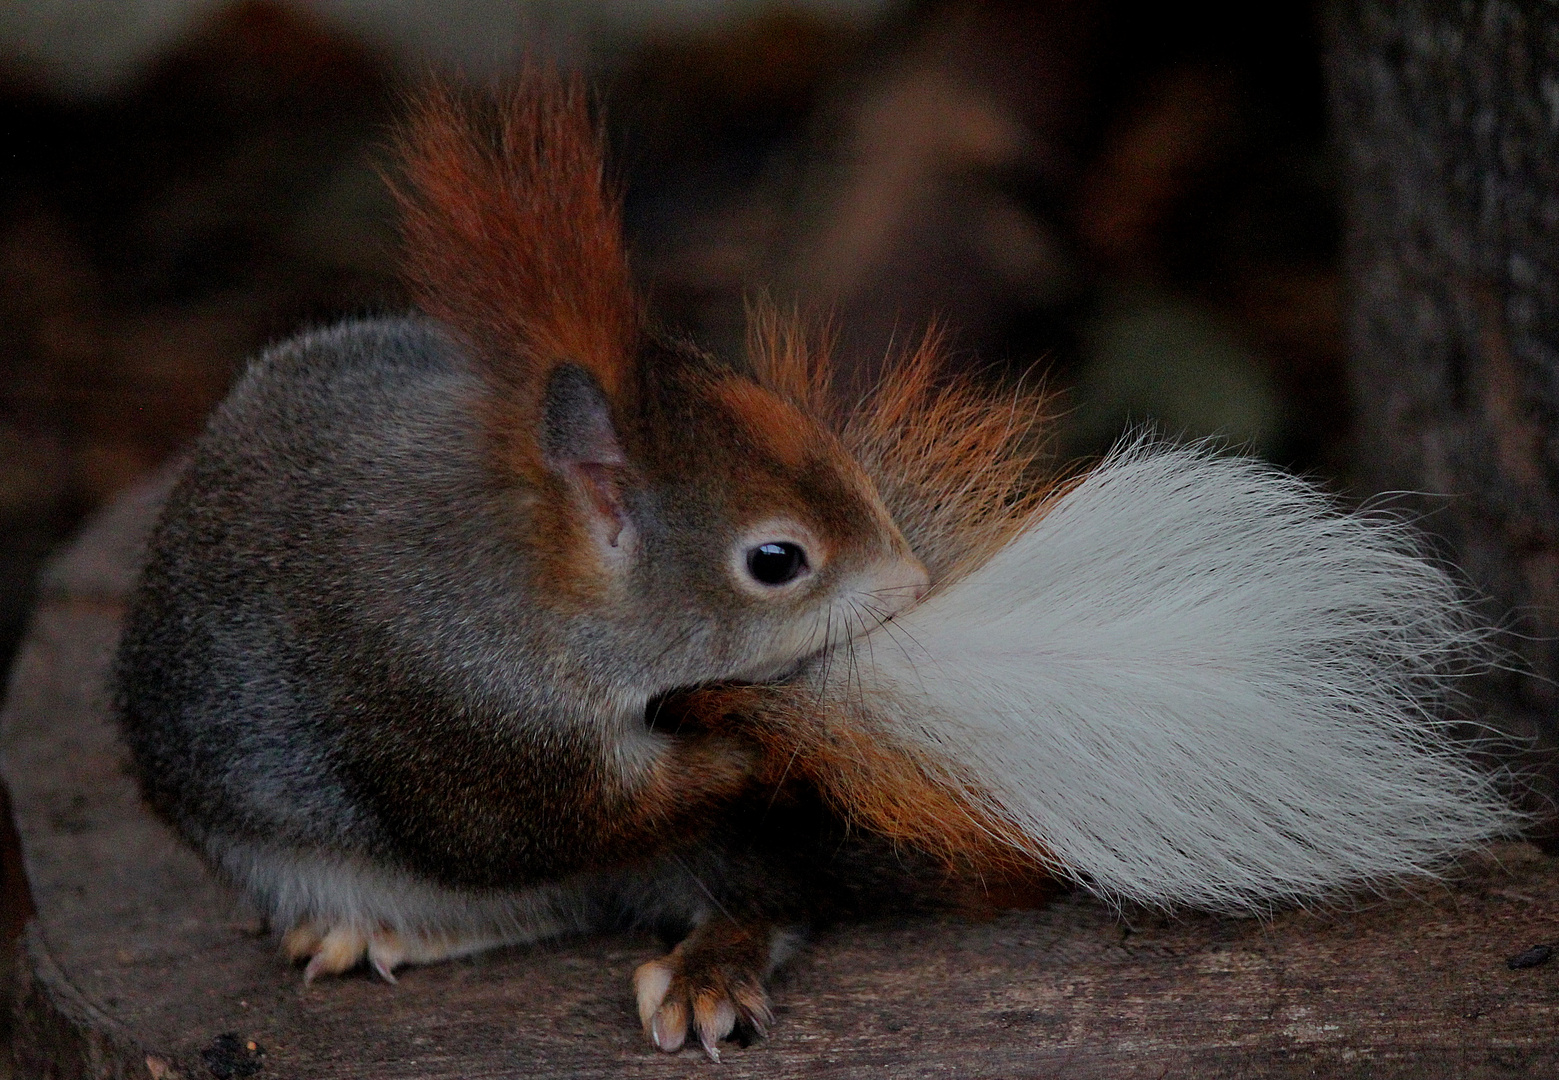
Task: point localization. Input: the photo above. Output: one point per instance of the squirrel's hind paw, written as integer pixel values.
(333, 950)
(713, 981)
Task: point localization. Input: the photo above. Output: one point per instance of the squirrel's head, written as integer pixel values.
(722, 523)
(687, 521)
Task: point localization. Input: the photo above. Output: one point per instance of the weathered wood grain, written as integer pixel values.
(1446, 113)
(137, 961)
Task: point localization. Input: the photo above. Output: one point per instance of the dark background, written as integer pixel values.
(1135, 201)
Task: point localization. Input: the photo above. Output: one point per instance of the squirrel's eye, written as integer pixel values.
(778, 562)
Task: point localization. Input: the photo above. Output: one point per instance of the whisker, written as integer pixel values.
(702, 887)
(675, 643)
(894, 626)
(888, 627)
(826, 676)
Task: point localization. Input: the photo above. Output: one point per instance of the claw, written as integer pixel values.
(386, 952)
(668, 1028)
(755, 1007)
(341, 948)
(715, 1017)
(650, 983)
(709, 988)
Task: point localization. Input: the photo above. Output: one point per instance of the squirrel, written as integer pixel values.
(521, 617)
(399, 659)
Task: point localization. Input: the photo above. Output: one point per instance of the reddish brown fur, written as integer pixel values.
(777, 427)
(793, 359)
(953, 462)
(871, 779)
(698, 772)
(513, 236)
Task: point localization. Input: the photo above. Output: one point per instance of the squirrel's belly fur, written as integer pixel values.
(301, 888)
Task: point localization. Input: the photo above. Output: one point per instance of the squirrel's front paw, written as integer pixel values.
(330, 950)
(713, 980)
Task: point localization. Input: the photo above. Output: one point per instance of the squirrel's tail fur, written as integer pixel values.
(1190, 680)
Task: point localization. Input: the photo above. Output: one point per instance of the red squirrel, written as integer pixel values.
(399, 659)
(522, 616)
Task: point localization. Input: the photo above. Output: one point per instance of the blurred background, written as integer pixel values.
(1132, 201)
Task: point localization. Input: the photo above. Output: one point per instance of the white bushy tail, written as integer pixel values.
(1194, 681)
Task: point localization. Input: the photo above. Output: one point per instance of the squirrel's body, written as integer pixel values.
(339, 569)
(347, 680)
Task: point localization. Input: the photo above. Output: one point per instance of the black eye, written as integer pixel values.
(776, 563)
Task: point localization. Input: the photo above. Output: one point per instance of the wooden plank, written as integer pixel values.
(136, 955)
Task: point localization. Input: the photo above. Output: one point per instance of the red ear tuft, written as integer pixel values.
(513, 236)
(955, 460)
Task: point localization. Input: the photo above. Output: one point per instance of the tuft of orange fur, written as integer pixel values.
(793, 359)
(955, 463)
(513, 239)
(513, 236)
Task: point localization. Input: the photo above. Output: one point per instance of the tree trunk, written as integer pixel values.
(1447, 113)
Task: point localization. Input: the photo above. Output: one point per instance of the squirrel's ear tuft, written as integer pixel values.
(926, 429)
(513, 237)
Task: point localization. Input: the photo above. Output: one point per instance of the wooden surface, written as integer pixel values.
(137, 962)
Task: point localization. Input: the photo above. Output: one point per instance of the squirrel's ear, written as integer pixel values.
(577, 426)
(513, 238)
(579, 442)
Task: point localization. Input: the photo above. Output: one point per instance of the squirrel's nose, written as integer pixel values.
(902, 583)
